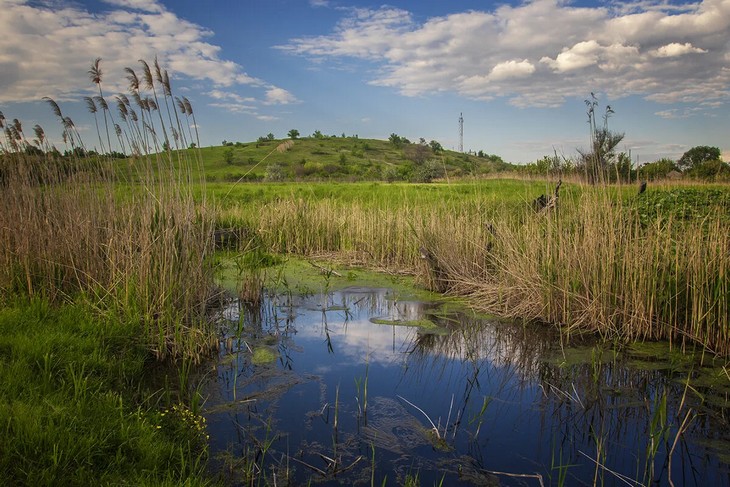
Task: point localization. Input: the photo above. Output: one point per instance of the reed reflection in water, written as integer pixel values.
(461, 397)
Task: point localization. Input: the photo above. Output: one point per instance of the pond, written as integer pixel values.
(363, 386)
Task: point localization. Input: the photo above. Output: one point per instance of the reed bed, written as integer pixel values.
(593, 264)
(131, 241)
(139, 254)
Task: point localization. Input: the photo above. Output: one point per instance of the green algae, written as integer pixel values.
(582, 355)
(424, 325)
(297, 275)
(263, 355)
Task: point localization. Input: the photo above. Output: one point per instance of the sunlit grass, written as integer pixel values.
(69, 405)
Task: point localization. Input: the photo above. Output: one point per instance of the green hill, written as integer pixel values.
(340, 158)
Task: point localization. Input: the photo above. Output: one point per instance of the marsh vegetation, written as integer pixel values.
(606, 260)
(100, 280)
(108, 286)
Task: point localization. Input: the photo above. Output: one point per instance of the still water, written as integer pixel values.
(362, 387)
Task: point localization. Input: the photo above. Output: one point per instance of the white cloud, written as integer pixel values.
(234, 107)
(319, 3)
(144, 5)
(365, 33)
(541, 52)
(226, 95)
(279, 96)
(48, 48)
(677, 113)
(512, 69)
(579, 56)
(676, 49)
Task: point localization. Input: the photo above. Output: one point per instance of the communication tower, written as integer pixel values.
(461, 132)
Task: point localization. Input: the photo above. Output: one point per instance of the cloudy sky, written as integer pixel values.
(518, 71)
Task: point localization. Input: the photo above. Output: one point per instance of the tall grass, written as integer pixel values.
(70, 228)
(595, 264)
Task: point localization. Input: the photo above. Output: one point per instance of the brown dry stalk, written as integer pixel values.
(591, 266)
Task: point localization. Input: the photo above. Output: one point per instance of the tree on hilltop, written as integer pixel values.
(396, 139)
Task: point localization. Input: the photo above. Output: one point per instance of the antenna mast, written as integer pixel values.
(461, 132)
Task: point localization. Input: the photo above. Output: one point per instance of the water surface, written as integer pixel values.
(359, 387)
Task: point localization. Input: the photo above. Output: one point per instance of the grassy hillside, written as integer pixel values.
(341, 158)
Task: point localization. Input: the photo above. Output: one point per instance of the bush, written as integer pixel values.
(429, 171)
(275, 172)
(228, 156)
(390, 174)
(657, 169)
(711, 170)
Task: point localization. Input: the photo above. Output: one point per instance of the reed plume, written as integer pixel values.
(95, 75)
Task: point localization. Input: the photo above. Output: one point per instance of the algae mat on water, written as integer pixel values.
(299, 275)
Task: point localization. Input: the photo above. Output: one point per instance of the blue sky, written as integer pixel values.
(518, 71)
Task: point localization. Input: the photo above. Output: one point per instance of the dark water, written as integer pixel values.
(339, 404)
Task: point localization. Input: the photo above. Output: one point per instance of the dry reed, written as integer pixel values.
(594, 265)
(70, 229)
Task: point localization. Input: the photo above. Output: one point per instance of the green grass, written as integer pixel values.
(244, 204)
(73, 410)
(331, 158)
(380, 193)
(685, 203)
(104, 275)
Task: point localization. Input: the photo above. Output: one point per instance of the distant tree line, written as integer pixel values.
(603, 162)
(700, 162)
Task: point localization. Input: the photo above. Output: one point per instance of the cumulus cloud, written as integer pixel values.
(581, 55)
(48, 48)
(512, 69)
(279, 96)
(676, 49)
(540, 52)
